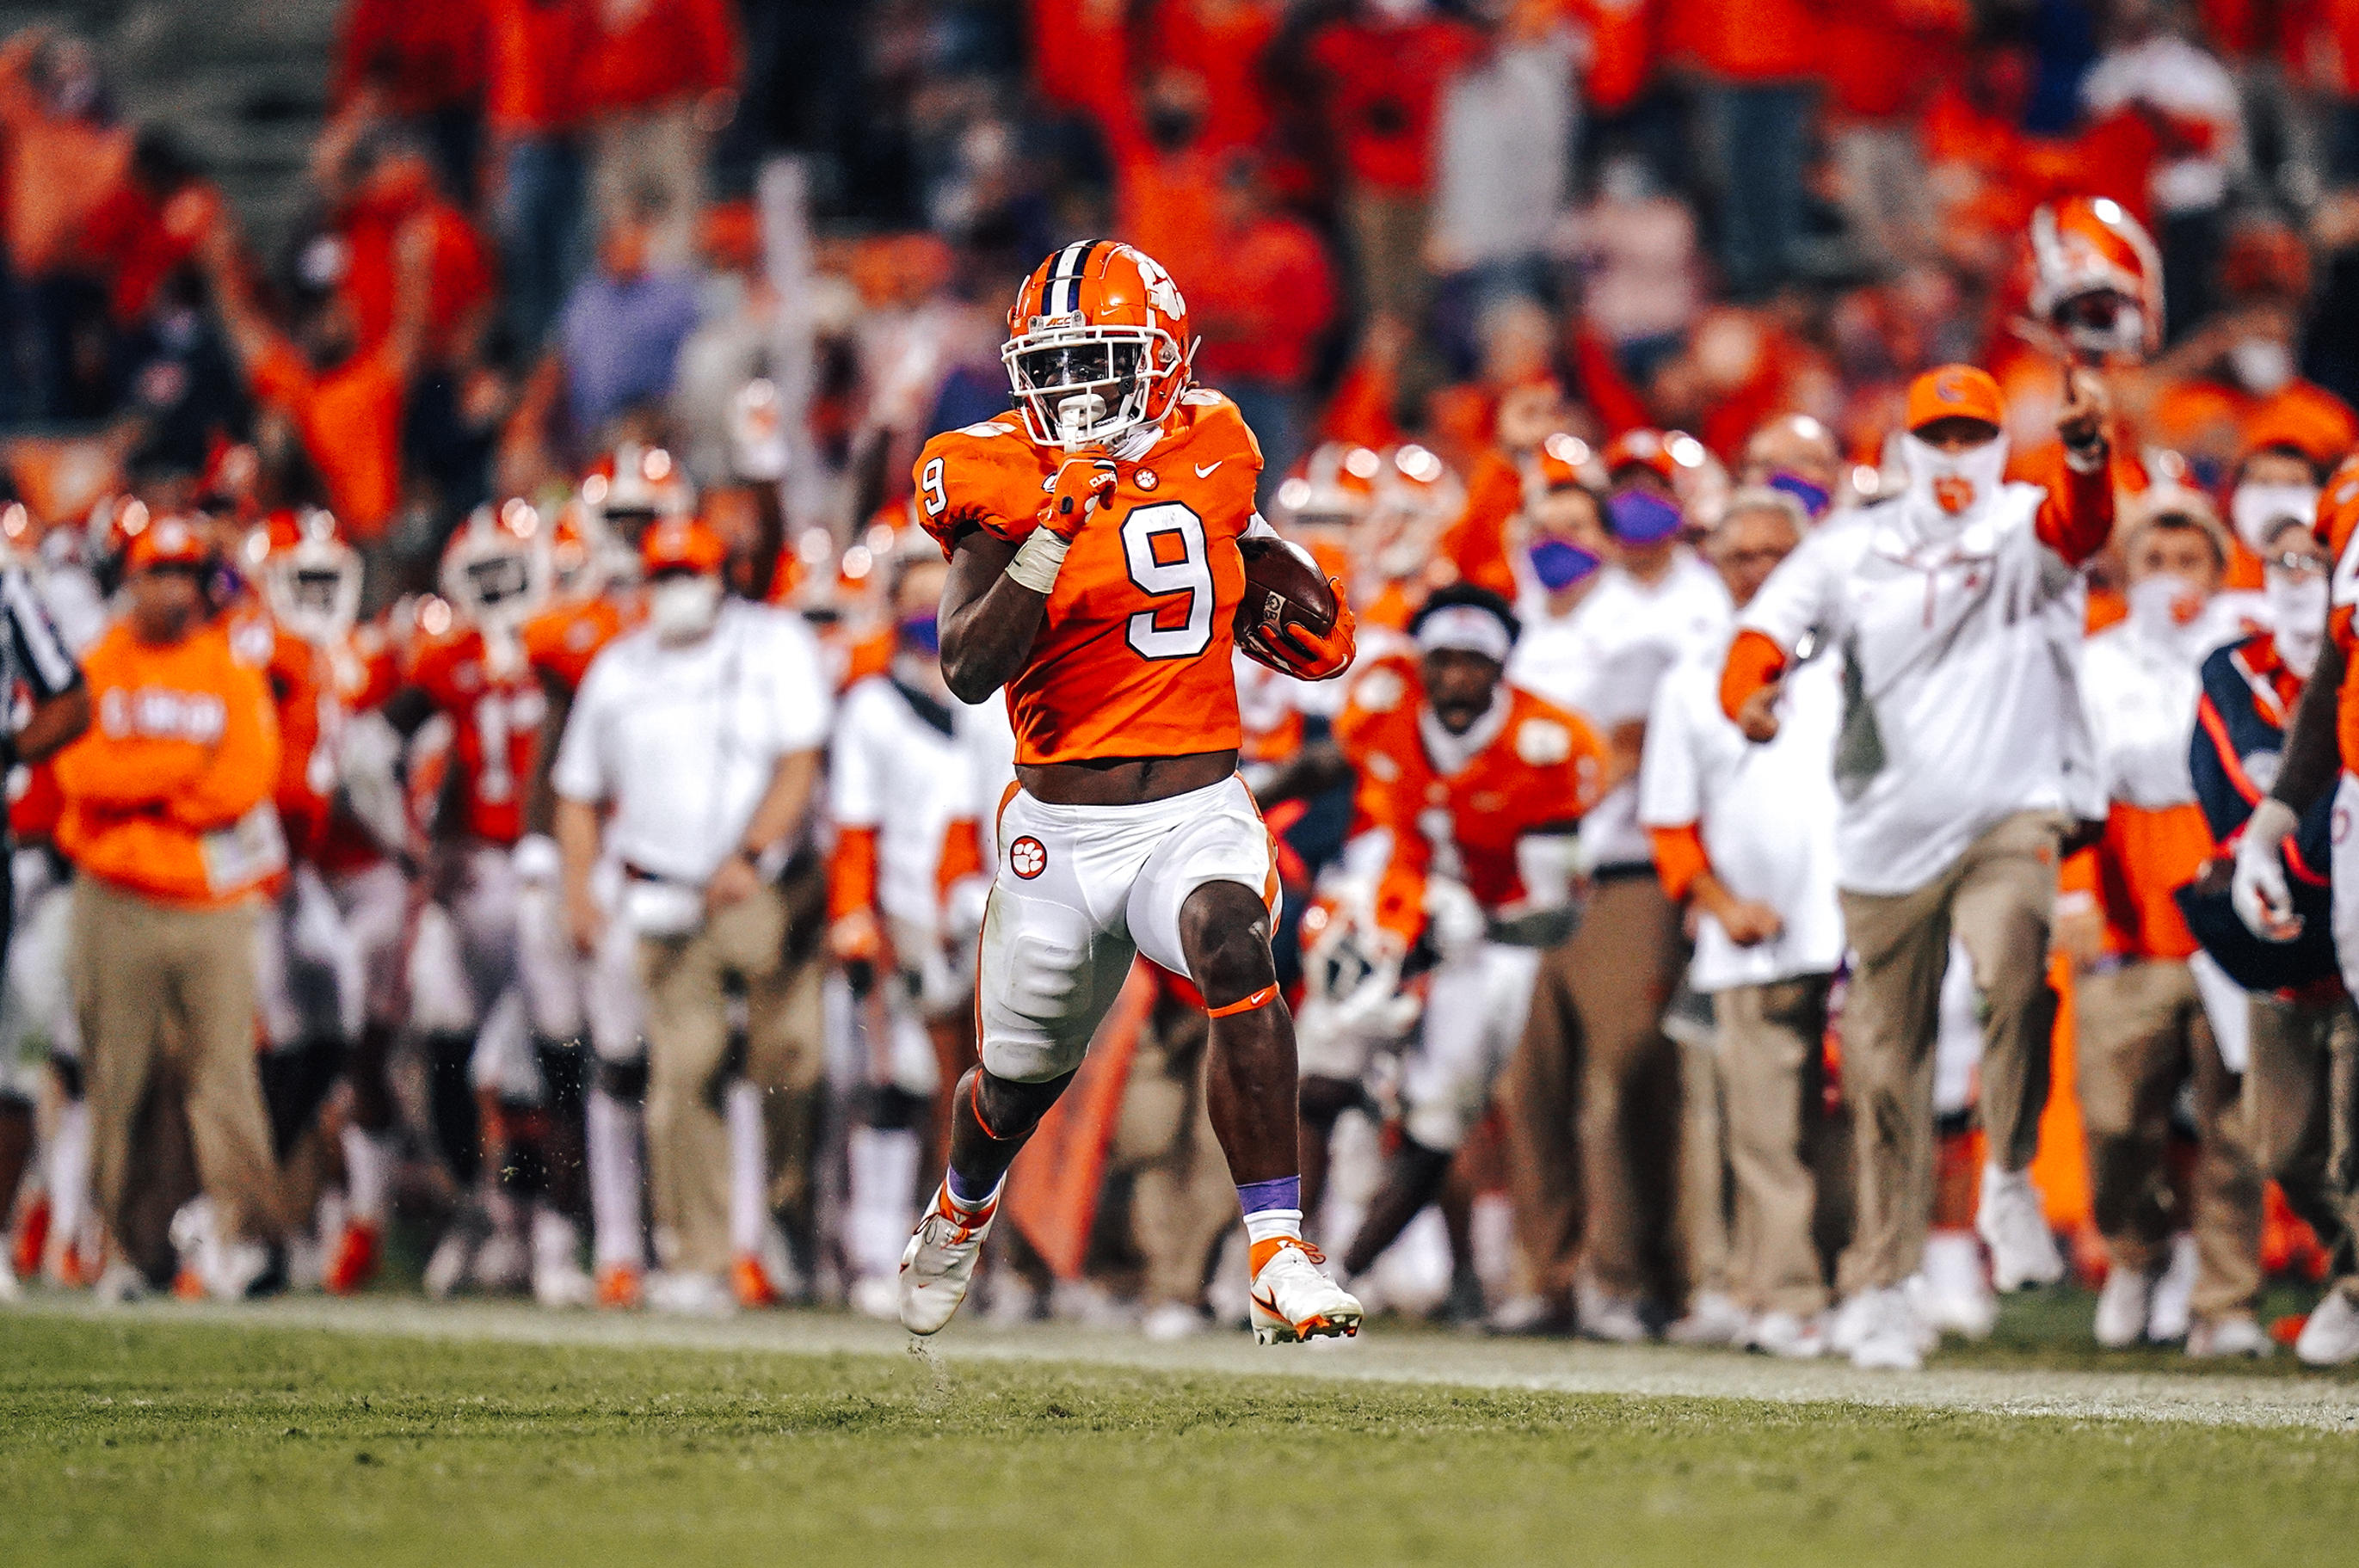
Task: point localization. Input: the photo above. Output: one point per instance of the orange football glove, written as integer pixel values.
(1084, 487)
(1294, 651)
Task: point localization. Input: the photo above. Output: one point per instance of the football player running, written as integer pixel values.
(1093, 533)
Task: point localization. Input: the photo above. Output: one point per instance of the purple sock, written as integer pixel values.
(1284, 1192)
(967, 1192)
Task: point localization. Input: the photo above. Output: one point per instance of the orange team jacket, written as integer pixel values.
(1133, 653)
(1544, 769)
(560, 641)
(495, 714)
(2148, 853)
(169, 794)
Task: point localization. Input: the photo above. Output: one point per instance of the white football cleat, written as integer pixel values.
(2173, 1312)
(1293, 1299)
(2221, 1338)
(2122, 1307)
(2330, 1338)
(1608, 1318)
(559, 1280)
(1951, 1288)
(938, 1265)
(1788, 1335)
(1886, 1335)
(1712, 1320)
(2013, 1221)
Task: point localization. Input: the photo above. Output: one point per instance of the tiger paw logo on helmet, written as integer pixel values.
(1028, 857)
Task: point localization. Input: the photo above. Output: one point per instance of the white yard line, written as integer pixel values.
(2223, 1399)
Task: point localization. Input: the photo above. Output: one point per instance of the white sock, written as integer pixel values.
(616, 1181)
(884, 1168)
(1269, 1224)
(749, 1169)
(68, 1170)
(556, 1241)
(368, 1171)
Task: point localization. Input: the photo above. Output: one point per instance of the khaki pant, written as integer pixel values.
(685, 980)
(1389, 248)
(659, 153)
(1591, 1099)
(2140, 1031)
(1998, 897)
(1769, 1060)
(168, 993)
(2301, 1105)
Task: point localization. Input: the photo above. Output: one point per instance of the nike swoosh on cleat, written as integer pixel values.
(1202, 470)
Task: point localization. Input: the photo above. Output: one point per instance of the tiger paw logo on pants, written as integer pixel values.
(1028, 857)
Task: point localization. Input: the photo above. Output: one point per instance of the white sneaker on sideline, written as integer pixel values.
(939, 1263)
(1171, 1321)
(2122, 1307)
(120, 1285)
(684, 1294)
(1787, 1336)
(1711, 1319)
(503, 1264)
(873, 1295)
(2173, 1310)
(2330, 1338)
(9, 1289)
(557, 1277)
(1890, 1339)
(1614, 1320)
(2013, 1221)
(2222, 1338)
(1951, 1288)
(1295, 1301)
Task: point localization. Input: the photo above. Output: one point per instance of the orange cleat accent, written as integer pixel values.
(750, 1283)
(187, 1287)
(618, 1286)
(32, 1237)
(358, 1252)
(1261, 1252)
(73, 1271)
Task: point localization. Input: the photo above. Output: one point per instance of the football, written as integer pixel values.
(1283, 586)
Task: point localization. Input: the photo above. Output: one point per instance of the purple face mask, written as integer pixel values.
(1558, 564)
(1813, 497)
(1641, 517)
(921, 634)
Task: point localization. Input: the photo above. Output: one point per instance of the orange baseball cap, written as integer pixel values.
(2289, 424)
(1955, 392)
(166, 542)
(681, 543)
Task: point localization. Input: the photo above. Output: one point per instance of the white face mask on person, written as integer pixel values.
(680, 609)
(2255, 507)
(1953, 484)
(2167, 608)
(2260, 364)
(2298, 612)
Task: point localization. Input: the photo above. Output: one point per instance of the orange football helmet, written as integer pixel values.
(633, 486)
(492, 568)
(1097, 345)
(2096, 277)
(310, 578)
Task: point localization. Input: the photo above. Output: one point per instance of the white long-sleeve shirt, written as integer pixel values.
(1965, 642)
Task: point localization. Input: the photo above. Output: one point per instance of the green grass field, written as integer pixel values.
(144, 1438)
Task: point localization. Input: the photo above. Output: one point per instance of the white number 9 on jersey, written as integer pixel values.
(930, 484)
(1163, 545)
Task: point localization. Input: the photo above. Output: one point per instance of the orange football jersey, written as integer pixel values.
(560, 641)
(317, 689)
(2338, 529)
(1545, 768)
(496, 706)
(1134, 655)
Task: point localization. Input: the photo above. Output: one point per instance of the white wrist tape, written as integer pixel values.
(1037, 560)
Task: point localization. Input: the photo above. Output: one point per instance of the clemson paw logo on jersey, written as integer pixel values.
(1028, 857)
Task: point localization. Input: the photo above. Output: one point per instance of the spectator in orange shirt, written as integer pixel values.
(1761, 61)
(1384, 68)
(422, 62)
(1263, 312)
(658, 79)
(347, 405)
(531, 114)
(169, 821)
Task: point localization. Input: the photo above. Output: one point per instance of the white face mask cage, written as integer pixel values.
(492, 583)
(1082, 386)
(316, 592)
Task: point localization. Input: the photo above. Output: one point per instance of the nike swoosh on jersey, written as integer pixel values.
(1204, 468)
